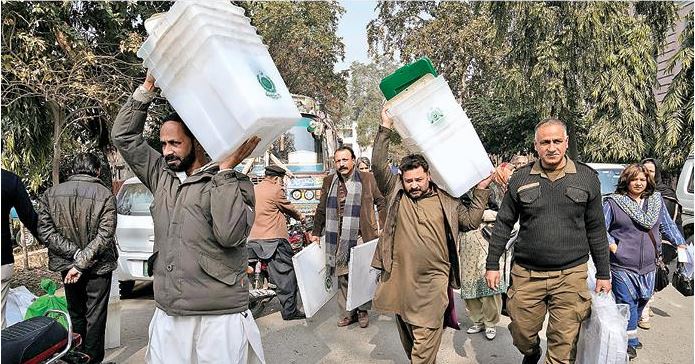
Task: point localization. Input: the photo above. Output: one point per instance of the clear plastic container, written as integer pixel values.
(168, 55)
(160, 23)
(433, 123)
(219, 77)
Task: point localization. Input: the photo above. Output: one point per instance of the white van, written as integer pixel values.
(684, 193)
(134, 234)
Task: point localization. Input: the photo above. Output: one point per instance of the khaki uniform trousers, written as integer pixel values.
(485, 310)
(421, 344)
(564, 294)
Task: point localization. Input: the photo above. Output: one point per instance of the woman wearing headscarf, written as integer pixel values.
(653, 167)
(483, 303)
(636, 219)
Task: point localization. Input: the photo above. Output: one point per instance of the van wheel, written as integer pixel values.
(125, 288)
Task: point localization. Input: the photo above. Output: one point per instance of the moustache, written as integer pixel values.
(171, 158)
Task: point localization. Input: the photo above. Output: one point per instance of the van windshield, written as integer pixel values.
(299, 150)
(609, 179)
(134, 199)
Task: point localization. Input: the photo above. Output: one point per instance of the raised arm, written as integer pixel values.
(126, 135)
(385, 180)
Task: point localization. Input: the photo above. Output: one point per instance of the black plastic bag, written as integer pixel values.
(683, 284)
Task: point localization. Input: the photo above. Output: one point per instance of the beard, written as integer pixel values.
(416, 193)
(177, 164)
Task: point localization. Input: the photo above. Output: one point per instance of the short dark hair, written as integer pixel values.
(86, 163)
(174, 116)
(413, 161)
(345, 147)
(629, 173)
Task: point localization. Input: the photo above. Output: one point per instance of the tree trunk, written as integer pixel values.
(572, 151)
(58, 116)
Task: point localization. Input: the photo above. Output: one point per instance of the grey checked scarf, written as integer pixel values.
(646, 219)
(351, 220)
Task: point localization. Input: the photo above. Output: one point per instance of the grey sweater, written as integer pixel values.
(561, 221)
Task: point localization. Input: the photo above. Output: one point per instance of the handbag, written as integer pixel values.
(661, 276)
(681, 282)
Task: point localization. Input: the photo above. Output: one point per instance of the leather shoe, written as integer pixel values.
(297, 315)
(533, 357)
(631, 352)
(363, 318)
(347, 321)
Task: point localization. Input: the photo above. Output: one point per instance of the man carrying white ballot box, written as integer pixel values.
(418, 249)
(202, 214)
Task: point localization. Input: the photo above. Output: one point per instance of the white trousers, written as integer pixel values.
(203, 339)
(7, 271)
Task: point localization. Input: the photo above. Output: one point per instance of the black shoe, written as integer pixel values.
(638, 346)
(532, 358)
(631, 352)
(297, 315)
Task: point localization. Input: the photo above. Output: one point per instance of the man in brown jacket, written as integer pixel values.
(345, 215)
(77, 222)
(418, 249)
(268, 238)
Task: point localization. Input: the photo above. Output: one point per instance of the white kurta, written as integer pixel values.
(203, 339)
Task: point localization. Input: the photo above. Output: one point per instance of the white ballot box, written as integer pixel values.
(362, 277)
(315, 287)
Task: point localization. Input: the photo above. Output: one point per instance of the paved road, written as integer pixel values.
(319, 340)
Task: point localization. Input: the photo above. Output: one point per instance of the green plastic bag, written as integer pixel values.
(49, 301)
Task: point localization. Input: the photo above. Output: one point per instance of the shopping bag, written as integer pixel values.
(603, 336)
(49, 301)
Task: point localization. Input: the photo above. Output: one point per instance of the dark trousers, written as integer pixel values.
(281, 272)
(88, 301)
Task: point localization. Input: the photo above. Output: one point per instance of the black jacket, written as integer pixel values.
(15, 195)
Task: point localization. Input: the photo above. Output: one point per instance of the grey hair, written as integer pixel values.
(549, 121)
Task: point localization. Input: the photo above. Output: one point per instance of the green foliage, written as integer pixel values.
(66, 69)
(302, 39)
(589, 63)
(365, 100)
(675, 127)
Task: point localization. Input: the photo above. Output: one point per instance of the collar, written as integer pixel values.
(84, 178)
(349, 176)
(569, 168)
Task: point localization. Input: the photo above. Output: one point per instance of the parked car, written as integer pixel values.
(684, 193)
(134, 234)
(608, 175)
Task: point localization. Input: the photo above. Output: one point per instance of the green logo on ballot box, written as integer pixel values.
(268, 85)
(435, 116)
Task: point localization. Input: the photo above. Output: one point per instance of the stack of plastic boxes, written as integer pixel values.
(431, 122)
(215, 71)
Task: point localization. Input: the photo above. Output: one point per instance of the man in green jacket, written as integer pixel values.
(77, 222)
(202, 215)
